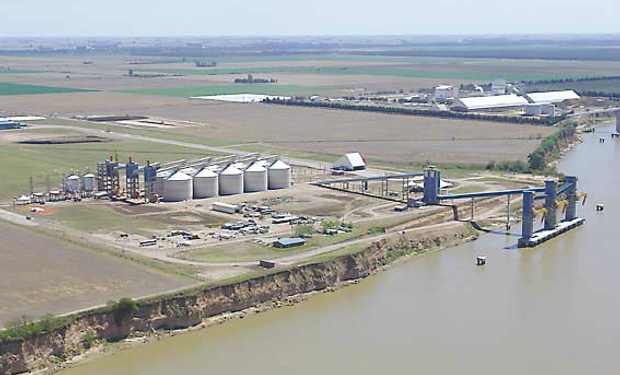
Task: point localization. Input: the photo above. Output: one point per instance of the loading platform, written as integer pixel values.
(544, 235)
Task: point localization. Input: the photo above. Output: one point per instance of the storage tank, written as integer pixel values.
(73, 183)
(189, 171)
(178, 187)
(279, 175)
(159, 181)
(231, 181)
(88, 182)
(205, 184)
(255, 178)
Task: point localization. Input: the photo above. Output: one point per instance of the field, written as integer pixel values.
(186, 92)
(22, 89)
(23, 161)
(605, 86)
(43, 275)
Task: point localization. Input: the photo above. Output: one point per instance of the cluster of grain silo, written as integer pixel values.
(232, 179)
(255, 178)
(206, 184)
(72, 184)
(88, 182)
(279, 175)
(178, 187)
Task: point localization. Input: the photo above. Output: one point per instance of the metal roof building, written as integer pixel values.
(551, 97)
(350, 162)
(285, 243)
(481, 103)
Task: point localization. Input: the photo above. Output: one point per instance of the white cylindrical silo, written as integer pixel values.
(88, 182)
(279, 174)
(159, 181)
(73, 183)
(189, 171)
(255, 178)
(205, 184)
(231, 181)
(178, 187)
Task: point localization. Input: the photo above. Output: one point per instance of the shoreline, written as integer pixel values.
(408, 250)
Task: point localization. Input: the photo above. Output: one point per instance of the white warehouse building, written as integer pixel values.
(489, 103)
(551, 97)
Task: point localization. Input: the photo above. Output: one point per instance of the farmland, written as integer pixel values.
(22, 161)
(186, 92)
(43, 275)
(22, 89)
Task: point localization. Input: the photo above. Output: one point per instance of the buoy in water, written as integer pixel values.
(600, 207)
(481, 260)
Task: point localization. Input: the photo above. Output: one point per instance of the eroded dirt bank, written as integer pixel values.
(50, 351)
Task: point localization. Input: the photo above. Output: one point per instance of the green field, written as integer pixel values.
(22, 89)
(17, 71)
(232, 89)
(372, 71)
(611, 86)
(94, 218)
(22, 161)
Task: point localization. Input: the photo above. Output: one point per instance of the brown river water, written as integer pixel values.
(550, 310)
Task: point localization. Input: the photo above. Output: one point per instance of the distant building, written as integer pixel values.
(498, 87)
(6, 124)
(350, 162)
(489, 103)
(540, 110)
(286, 243)
(444, 92)
(551, 97)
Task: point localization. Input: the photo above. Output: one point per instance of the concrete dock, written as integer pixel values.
(545, 235)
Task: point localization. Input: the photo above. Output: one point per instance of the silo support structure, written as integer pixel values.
(550, 205)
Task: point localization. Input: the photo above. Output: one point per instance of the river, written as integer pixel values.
(550, 310)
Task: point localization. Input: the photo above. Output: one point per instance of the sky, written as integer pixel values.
(48, 18)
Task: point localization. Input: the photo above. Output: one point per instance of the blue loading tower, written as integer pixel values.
(571, 197)
(550, 205)
(132, 178)
(150, 179)
(432, 183)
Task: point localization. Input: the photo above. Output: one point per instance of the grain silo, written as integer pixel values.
(279, 175)
(72, 183)
(178, 187)
(189, 171)
(255, 178)
(88, 182)
(159, 181)
(205, 184)
(231, 181)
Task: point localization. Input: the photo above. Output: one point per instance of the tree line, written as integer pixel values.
(419, 112)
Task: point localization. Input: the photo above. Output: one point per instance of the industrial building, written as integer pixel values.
(498, 87)
(489, 103)
(287, 243)
(444, 92)
(350, 162)
(551, 97)
(540, 110)
(6, 124)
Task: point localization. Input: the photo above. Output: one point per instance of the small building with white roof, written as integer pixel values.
(350, 162)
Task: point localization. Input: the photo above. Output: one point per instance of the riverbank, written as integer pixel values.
(97, 332)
